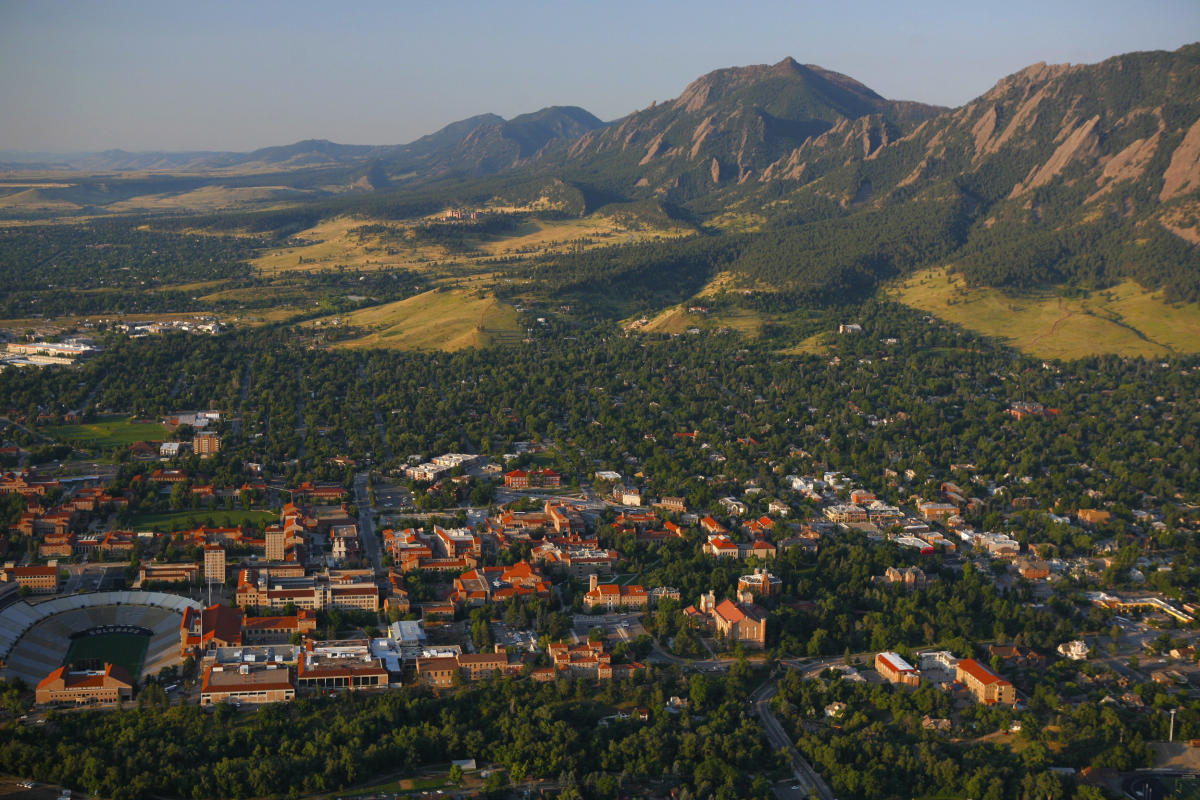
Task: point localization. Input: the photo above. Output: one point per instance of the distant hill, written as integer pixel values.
(805, 180)
(479, 145)
(487, 144)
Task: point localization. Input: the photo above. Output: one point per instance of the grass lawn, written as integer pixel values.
(186, 520)
(107, 432)
(125, 649)
(1124, 320)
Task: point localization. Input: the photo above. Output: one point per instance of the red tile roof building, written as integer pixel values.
(497, 584)
(895, 669)
(987, 686)
(532, 479)
(39, 580)
(109, 685)
(720, 546)
(612, 596)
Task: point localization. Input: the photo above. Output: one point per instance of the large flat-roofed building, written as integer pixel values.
(108, 685)
(347, 664)
(245, 683)
(987, 686)
(895, 669)
(184, 572)
(335, 589)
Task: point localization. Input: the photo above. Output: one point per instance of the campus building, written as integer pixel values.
(246, 683)
(109, 685)
(987, 686)
(895, 669)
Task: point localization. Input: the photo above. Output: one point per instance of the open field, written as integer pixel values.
(124, 649)
(815, 345)
(188, 520)
(107, 432)
(678, 319)
(538, 236)
(1125, 320)
(211, 198)
(332, 244)
(435, 320)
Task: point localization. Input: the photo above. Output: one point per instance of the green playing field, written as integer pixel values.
(92, 652)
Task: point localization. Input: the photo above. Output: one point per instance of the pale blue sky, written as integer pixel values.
(220, 75)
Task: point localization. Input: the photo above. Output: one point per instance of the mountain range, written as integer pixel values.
(1057, 173)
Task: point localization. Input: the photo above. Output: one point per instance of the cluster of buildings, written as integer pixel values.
(440, 466)
(447, 549)
(203, 444)
(200, 325)
(978, 680)
(42, 354)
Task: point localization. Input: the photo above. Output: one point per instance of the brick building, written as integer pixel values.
(895, 669)
(108, 685)
(987, 686)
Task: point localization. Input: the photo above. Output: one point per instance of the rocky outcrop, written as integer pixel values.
(1082, 143)
(1183, 173)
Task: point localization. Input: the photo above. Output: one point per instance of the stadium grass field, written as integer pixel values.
(126, 649)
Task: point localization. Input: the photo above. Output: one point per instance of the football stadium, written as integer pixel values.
(136, 630)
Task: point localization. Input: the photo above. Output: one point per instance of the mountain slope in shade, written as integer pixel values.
(492, 144)
(732, 124)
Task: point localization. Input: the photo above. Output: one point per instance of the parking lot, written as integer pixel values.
(619, 626)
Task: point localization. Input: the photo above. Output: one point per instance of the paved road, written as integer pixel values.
(807, 780)
(366, 521)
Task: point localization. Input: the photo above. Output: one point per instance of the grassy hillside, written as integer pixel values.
(436, 320)
(1125, 320)
(360, 244)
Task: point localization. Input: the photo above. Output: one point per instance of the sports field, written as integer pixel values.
(125, 649)
(107, 432)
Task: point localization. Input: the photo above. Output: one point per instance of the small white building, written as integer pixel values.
(1076, 650)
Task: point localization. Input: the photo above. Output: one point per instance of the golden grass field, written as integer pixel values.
(677, 319)
(334, 245)
(436, 320)
(210, 198)
(815, 345)
(1125, 320)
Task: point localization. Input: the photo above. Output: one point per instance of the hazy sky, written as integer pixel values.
(218, 75)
